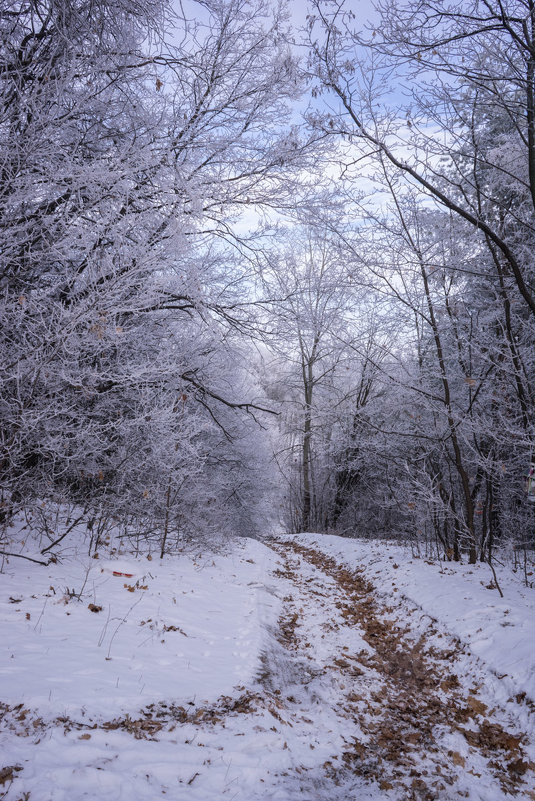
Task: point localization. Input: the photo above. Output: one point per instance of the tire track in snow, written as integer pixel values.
(409, 708)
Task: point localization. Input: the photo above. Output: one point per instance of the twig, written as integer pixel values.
(59, 539)
(105, 628)
(123, 620)
(87, 572)
(22, 556)
(491, 565)
(41, 615)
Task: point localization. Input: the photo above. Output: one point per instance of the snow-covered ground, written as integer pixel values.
(88, 640)
(462, 597)
(141, 631)
(205, 676)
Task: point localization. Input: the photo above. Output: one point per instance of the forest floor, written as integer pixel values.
(304, 667)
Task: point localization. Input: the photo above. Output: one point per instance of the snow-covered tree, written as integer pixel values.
(132, 137)
(431, 110)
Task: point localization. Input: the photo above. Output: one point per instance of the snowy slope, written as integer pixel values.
(188, 629)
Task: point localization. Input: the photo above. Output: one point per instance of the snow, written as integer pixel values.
(238, 712)
(501, 632)
(185, 628)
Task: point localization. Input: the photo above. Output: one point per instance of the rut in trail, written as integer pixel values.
(420, 725)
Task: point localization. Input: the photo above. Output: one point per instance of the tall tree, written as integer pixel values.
(127, 162)
(434, 108)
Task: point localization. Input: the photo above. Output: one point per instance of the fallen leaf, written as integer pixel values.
(476, 706)
(7, 774)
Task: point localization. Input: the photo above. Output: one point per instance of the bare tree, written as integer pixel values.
(414, 91)
(313, 320)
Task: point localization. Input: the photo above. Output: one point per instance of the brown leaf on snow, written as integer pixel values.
(457, 759)
(518, 767)
(492, 736)
(476, 706)
(175, 628)
(385, 785)
(7, 774)
(449, 683)
(275, 714)
(423, 792)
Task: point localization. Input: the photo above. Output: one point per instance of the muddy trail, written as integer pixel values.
(417, 701)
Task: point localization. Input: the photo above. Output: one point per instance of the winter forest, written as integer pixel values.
(267, 400)
(257, 267)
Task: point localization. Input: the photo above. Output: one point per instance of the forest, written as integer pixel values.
(260, 271)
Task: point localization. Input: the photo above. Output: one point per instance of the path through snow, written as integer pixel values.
(420, 717)
(356, 697)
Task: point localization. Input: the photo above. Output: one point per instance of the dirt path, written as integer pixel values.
(413, 706)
